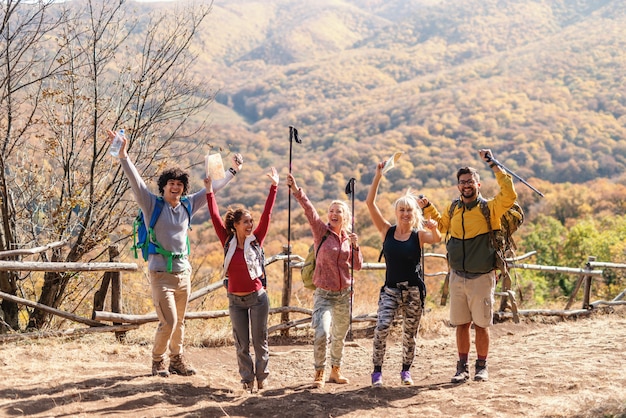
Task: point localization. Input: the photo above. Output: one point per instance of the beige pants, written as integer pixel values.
(170, 294)
(471, 300)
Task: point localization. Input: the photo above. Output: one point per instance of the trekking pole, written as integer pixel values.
(499, 164)
(293, 135)
(350, 192)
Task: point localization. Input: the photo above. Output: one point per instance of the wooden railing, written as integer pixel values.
(123, 322)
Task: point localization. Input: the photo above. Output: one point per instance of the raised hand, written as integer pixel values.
(208, 184)
(486, 155)
(273, 175)
(237, 162)
(111, 135)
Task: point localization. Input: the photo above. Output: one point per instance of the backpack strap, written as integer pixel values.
(258, 249)
(321, 242)
(136, 225)
(484, 208)
(382, 253)
(154, 247)
(453, 205)
(158, 208)
(493, 240)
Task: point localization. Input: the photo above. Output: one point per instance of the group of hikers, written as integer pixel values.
(471, 257)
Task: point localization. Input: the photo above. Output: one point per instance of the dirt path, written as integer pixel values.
(571, 368)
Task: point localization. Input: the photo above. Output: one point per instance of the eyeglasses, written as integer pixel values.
(467, 182)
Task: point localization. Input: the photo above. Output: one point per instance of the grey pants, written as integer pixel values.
(249, 314)
(331, 320)
(390, 301)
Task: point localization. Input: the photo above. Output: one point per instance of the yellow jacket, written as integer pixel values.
(468, 246)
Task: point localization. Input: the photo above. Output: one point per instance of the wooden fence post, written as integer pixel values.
(101, 294)
(505, 278)
(284, 317)
(116, 290)
(114, 278)
(587, 288)
(574, 292)
(445, 290)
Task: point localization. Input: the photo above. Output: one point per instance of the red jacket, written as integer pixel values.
(239, 279)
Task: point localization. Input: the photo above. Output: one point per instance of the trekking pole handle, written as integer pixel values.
(490, 159)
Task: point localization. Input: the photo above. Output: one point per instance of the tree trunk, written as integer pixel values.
(9, 309)
(53, 289)
(8, 280)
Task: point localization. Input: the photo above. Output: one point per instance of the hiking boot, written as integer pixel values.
(336, 376)
(248, 386)
(159, 369)
(481, 374)
(261, 384)
(178, 366)
(405, 378)
(377, 379)
(462, 373)
(319, 379)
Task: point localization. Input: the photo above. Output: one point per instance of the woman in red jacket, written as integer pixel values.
(248, 304)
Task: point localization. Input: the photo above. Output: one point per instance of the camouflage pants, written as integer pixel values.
(390, 302)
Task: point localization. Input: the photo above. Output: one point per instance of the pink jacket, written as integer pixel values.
(332, 267)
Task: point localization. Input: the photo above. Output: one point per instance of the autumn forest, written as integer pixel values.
(539, 82)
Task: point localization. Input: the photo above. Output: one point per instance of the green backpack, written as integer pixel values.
(308, 269)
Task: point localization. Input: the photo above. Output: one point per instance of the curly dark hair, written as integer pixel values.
(232, 216)
(173, 174)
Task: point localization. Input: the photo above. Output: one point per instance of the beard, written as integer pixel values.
(469, 193)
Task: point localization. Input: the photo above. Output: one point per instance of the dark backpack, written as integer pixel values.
(308, 268)
(144, 239)
(501, 239)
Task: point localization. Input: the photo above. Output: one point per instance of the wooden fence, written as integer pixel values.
(123, 322)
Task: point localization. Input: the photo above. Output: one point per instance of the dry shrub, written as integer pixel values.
(435, 322)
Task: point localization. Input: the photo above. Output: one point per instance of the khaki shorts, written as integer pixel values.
(471, 300)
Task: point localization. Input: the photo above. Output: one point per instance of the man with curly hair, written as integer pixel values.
(168, 263)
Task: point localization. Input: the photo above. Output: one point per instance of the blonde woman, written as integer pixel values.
(331, 302)
(404, 289)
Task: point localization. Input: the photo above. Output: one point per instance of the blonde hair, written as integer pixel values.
(410, 200)
(347, 219)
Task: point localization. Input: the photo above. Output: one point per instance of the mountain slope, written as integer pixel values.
(539, 82)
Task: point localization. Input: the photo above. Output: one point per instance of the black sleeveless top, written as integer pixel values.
(403, 260)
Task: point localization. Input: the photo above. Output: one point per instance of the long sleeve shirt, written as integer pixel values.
(469, 249)
(334, 258)
(239, 279)
(172, 226)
